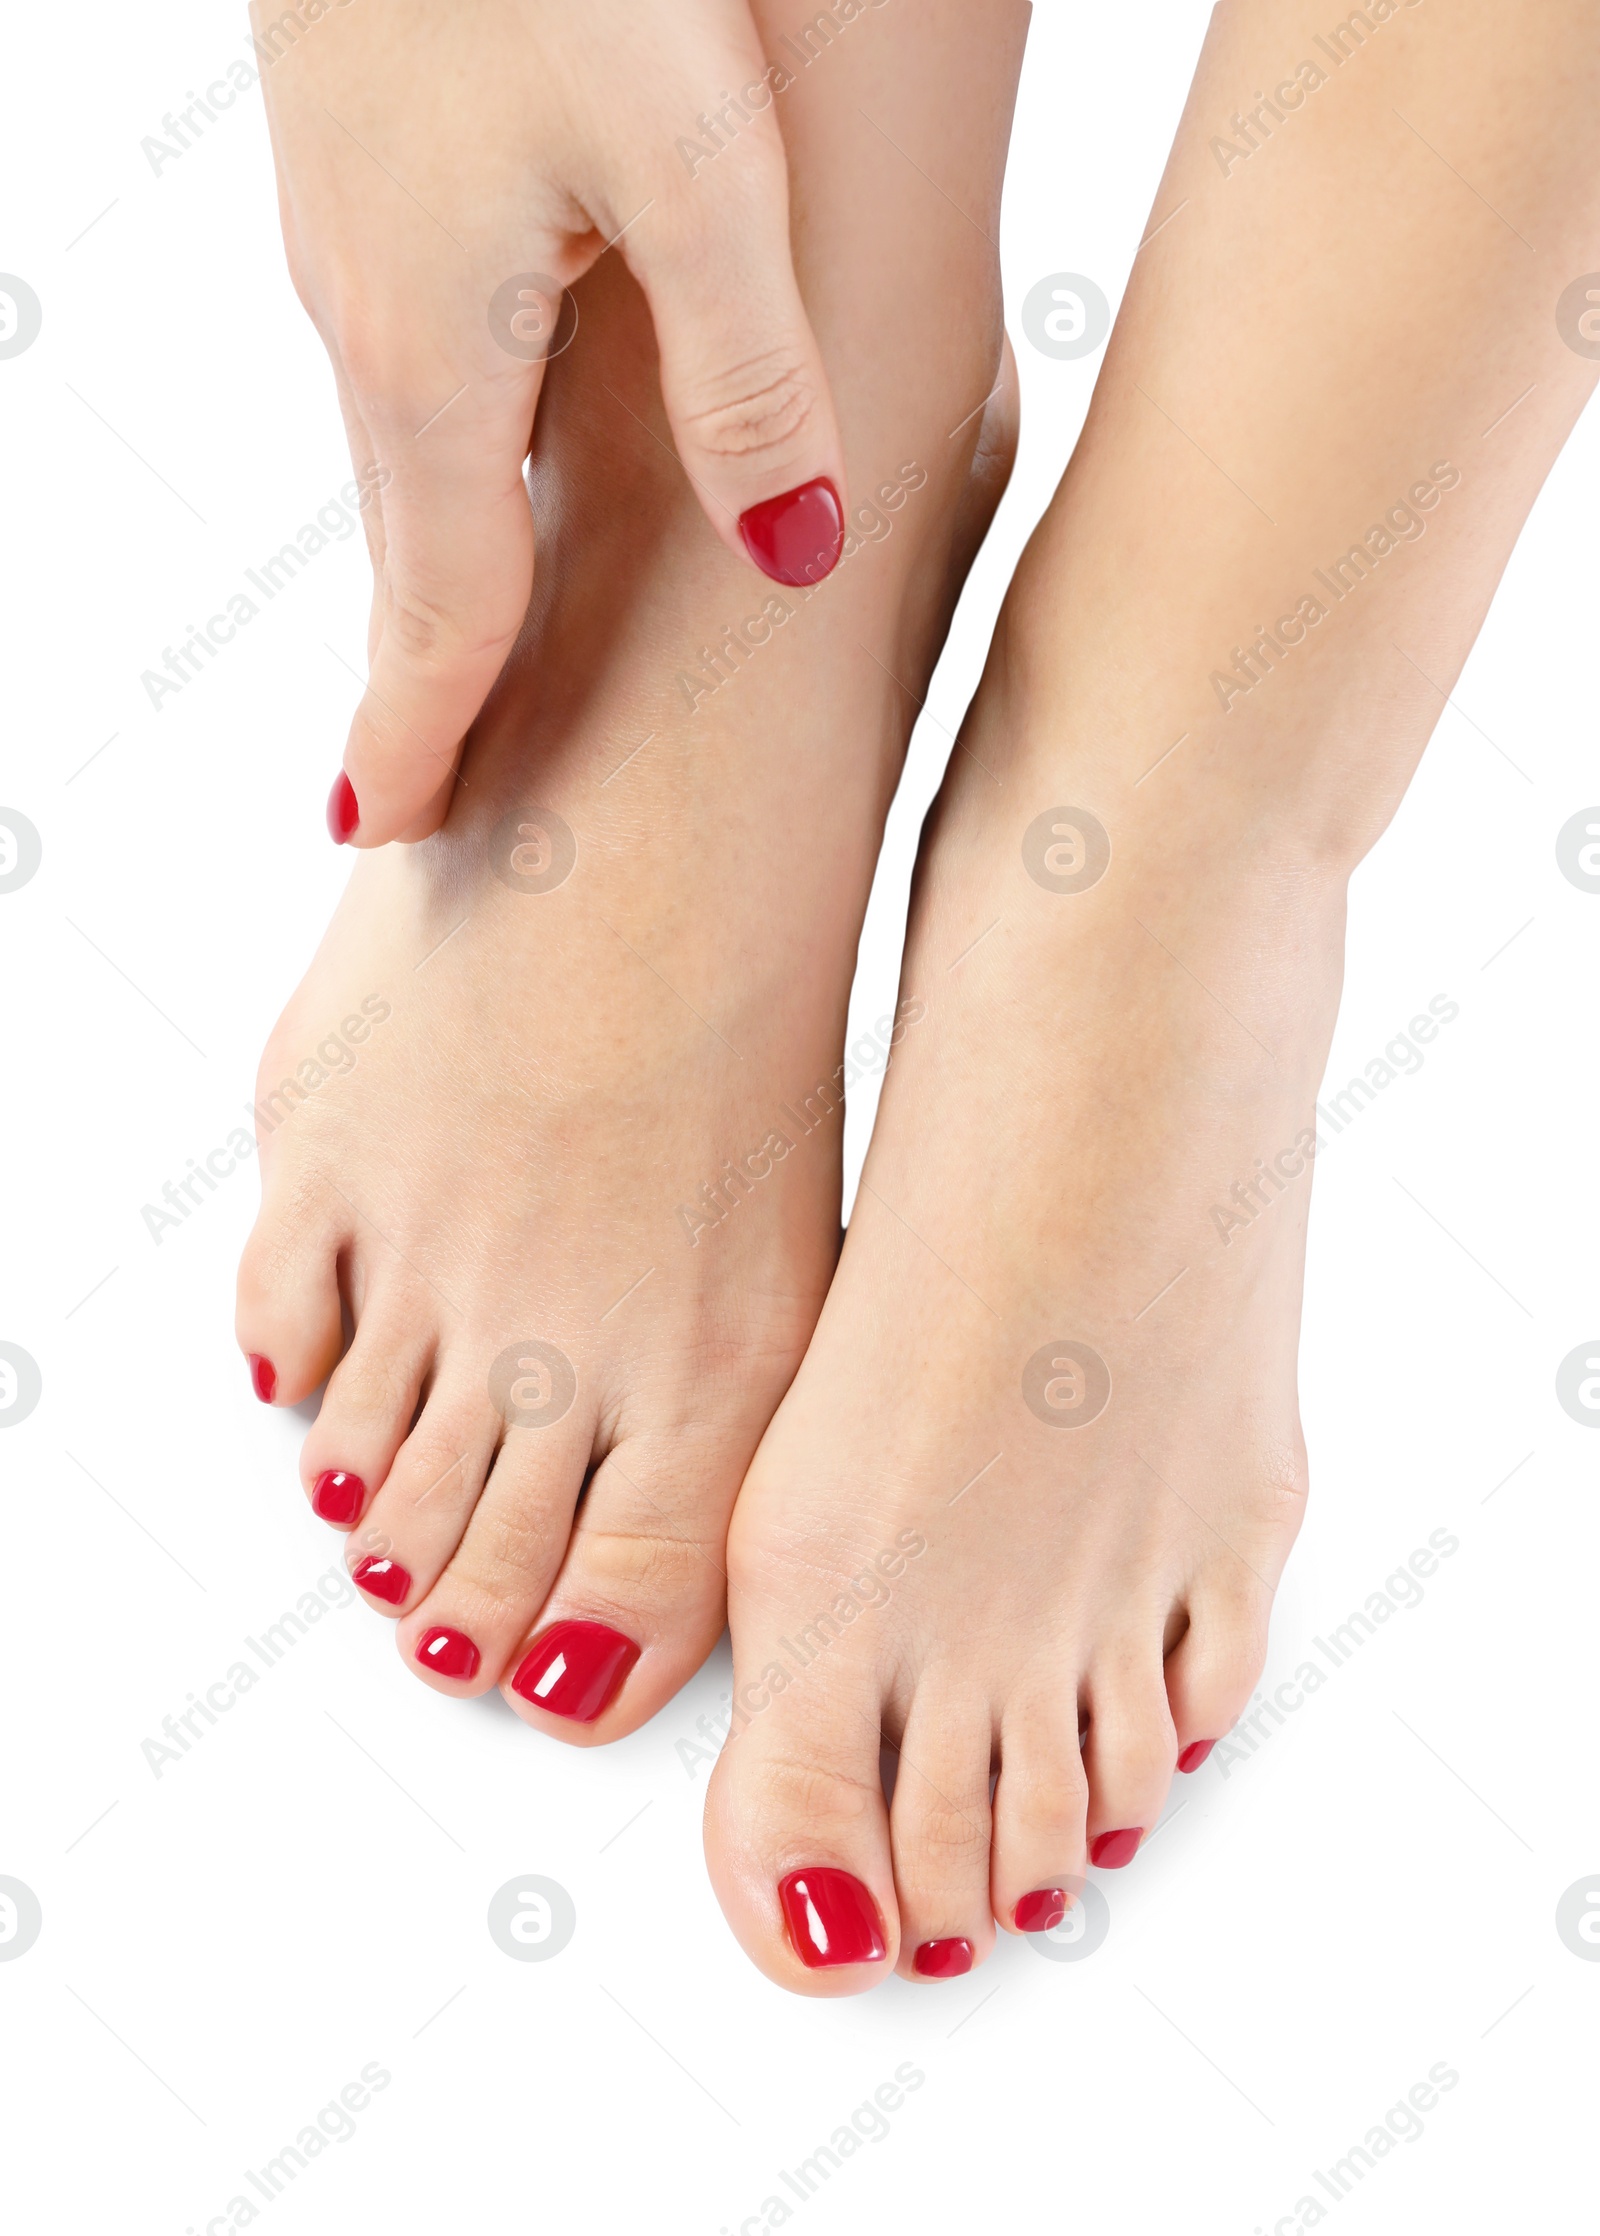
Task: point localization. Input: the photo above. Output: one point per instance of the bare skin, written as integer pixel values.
(568, 1044)
(443, 173)
(961, 1532)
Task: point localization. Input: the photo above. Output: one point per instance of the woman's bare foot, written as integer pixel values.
(1028, 1499)
(554, 1119)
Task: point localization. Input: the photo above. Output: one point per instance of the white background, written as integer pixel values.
(1370, 1893)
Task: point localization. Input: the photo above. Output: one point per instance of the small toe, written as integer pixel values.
(288, 1318)
(1040, 1805)
(1213, 1670)
(1129, 1753)
(367, 1410)
(940, 1827)
(501, 1571)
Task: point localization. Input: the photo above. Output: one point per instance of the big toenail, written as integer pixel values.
(1193, 1757)
(832, 1919)
(383, 1578)
(575, 1669)
(447, 1653)
(943, 1960)
(263, 1377)
(796, 538)
(344, 811)
(1113, 1849)
(338, 1497)
(1039, 1911)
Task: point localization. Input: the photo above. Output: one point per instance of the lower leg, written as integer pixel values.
(1057, 1365)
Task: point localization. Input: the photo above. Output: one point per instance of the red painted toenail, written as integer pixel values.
(263, 1377)
(574, 1670)
(1039, 1911)
(344, 812)
(1193, 1757)
(796, 538)
(384, 1579)
(942, 1960)
(1113, 1849)
(338, 1497)
(831, 1917)
(447, 1653)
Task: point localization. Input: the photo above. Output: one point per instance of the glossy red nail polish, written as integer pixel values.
(263, 1377)
(942, 1960)
(1113, 1849)
(796, 538)
(383, 1578)
(447, 1653)
(1193, 1757)
(338, 1497)
(831, 1917)
(1039, 1911)
(344, 812)
(575, 1669)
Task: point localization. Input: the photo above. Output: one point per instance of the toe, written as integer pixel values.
(1130, 1751)
(1214, 1668)
(640, 1598)
(287, 1318)
(467, 1628)
(940, 1828)
(797, 1834)
(366, 1411)
(1040, 1806)
(416, 1519)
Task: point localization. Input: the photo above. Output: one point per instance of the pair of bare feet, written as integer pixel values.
(1010, 1481)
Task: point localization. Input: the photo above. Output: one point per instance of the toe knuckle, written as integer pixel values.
(796, 1791)
(948, 1837)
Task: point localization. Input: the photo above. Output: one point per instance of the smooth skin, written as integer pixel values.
(427, 157)
(1350, 326)
(531, 1146)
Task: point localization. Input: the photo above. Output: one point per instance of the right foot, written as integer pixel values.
(511, 1171)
